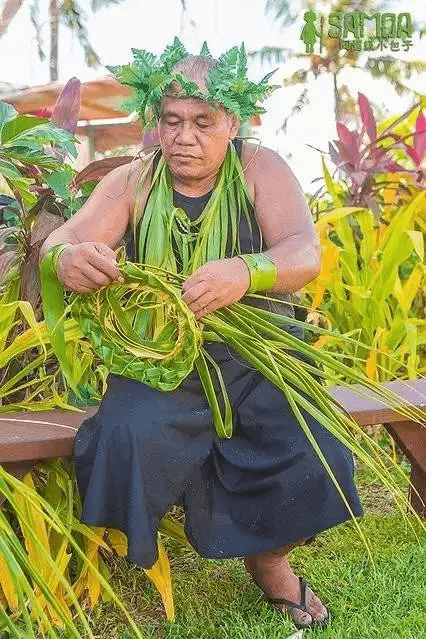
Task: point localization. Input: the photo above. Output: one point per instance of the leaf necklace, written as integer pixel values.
(170, 240)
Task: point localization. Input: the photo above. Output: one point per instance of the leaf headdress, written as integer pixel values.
(227, 83)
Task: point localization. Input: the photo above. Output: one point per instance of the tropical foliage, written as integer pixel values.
(34, 177)
(36, 180)
(48, 558)
(371, 225)
(30, 378)
(49, 561)
(52, 566)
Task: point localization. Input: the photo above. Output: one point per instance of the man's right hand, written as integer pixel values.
(87, 266)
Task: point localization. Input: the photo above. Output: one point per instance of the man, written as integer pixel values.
(262, 492)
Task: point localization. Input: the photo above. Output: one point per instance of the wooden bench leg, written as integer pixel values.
(411, 438)
(19, 468)
(418, 499)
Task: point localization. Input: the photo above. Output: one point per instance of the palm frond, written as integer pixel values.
(99, 4)
(281, 11)
(35, 21)
(74, 17)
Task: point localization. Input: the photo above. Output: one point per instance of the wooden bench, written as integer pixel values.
(28, 437)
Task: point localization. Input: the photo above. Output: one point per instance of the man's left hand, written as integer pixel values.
(216, 284)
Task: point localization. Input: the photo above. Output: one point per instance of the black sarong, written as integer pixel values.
(264, 488)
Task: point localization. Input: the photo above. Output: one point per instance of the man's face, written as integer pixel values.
(194, 137)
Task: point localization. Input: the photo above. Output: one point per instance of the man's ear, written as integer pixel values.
(235, 127)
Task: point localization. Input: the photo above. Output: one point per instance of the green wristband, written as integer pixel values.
(263, 271)
(54, 253)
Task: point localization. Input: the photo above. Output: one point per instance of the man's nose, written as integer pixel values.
(186, 134)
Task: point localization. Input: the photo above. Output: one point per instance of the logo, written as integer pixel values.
(359, 31)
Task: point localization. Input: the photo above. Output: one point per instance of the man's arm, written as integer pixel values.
(89, 262)
(288, 231)
(285, 221)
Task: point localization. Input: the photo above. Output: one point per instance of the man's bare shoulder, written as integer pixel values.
(121, 183)
(123, 179)
(260, 160)
(265, 169)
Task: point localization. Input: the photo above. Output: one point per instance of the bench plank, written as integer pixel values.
(28, 437)
(370, 411)
(39, 435)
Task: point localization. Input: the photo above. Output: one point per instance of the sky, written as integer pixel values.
(223, 23)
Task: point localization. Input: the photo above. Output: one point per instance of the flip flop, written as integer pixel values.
(292, 606)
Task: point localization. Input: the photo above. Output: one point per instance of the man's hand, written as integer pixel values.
(216, 284)
(88, 266)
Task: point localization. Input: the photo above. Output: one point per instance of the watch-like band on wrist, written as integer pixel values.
(263, 271)
(54, 252)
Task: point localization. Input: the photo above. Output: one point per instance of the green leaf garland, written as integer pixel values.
(227, 82)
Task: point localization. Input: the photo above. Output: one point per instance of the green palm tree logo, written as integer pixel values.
(309, 32)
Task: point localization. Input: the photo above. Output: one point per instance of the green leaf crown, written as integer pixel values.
(227, 82)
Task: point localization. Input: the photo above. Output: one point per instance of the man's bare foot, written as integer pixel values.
(273, 574)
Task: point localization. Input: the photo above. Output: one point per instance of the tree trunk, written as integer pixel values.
(337, 108)
(54, 24)
(10, 9)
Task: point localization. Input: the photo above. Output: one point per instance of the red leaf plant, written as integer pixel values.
(363, 161)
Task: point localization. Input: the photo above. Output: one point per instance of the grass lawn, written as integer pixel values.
(216, 599)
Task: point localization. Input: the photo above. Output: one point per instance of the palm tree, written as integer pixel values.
(331, 60)
(71, 14)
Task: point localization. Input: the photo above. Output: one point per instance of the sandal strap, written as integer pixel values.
(294, 606)
(291, 604)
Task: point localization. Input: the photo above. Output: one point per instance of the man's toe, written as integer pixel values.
(300, 618)
(316, 608)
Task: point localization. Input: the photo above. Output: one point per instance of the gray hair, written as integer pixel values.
(196, 68)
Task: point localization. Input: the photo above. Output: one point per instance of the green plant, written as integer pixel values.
(372, 235)
(30, 378)
(48, 560)
(369, 158)
(34, 172)
(38, 583)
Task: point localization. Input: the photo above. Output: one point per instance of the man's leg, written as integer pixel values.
(273, 574)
